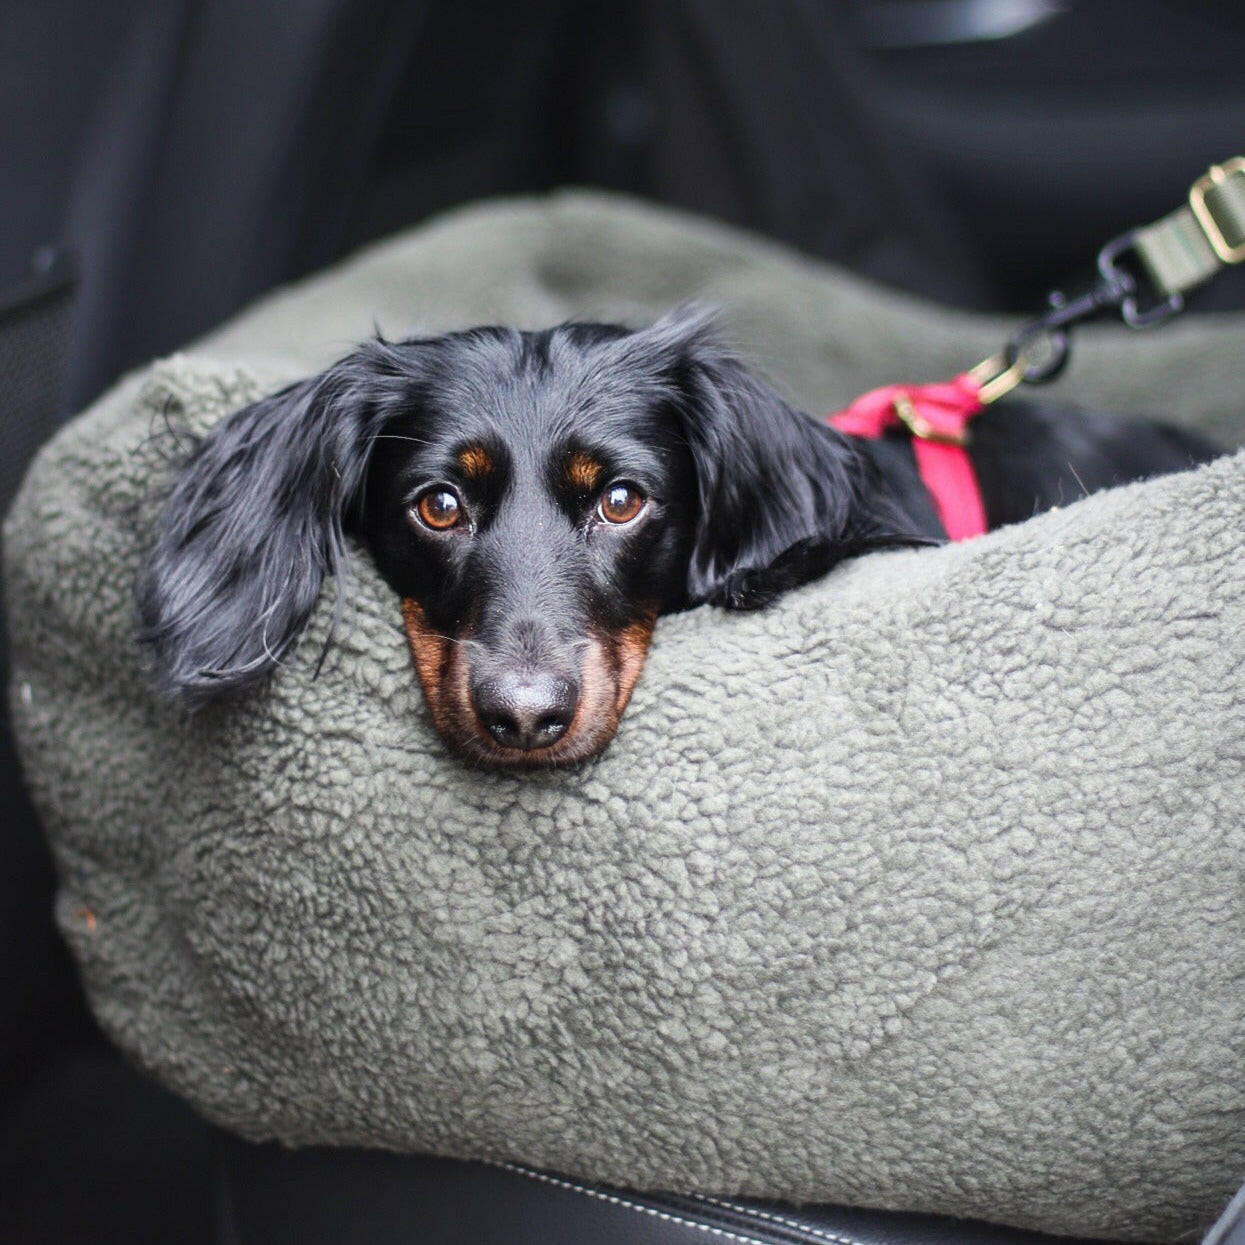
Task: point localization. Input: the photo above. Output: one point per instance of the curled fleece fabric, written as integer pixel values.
(922, 889)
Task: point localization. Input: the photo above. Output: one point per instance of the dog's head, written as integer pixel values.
(536, 500)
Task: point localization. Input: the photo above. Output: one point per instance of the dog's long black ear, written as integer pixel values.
(782, 497)
(254, 523)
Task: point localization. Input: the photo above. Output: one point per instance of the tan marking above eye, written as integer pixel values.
(620, 503)
(583, 471)
(475, 461)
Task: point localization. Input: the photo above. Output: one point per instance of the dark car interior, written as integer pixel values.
(168, 161)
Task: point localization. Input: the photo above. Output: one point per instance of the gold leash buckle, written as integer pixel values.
(1216, 175)
(921, 428)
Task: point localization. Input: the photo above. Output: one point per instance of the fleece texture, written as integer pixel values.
(922, 889)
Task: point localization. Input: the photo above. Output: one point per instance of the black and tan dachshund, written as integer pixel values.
(537, 499)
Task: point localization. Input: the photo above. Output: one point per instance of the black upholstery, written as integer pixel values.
(268, 1196)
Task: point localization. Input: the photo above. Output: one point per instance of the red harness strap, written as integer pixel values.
(937, 416)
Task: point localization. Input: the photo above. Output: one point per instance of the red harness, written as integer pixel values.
(937, 417)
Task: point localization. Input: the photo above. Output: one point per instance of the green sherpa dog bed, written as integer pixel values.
(954, 922)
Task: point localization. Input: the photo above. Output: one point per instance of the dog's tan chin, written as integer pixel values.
(610, 667)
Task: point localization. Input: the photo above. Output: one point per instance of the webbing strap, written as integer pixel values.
(1191, 244)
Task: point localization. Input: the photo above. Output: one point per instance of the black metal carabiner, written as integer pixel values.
(1044, 343)
(1130, 312)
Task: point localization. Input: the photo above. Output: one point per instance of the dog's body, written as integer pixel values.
(537, 500)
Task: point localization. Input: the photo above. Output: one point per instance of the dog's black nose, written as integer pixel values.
(525, 710)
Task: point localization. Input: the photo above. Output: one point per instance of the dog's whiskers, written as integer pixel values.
(393, 436)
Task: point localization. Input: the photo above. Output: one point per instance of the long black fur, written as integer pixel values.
(254, 523)
(753, 497)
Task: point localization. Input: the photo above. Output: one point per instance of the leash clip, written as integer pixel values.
(1130, 311)
(1041, 347)
(1038, 351)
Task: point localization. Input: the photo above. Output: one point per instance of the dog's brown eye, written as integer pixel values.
(620, 503)
(439, 509)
